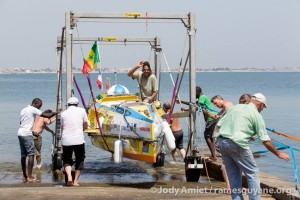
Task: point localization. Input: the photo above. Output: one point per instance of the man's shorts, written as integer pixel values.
(209, 128)
(79, 152)
(178, 139)
(37, 145)
(26, 145)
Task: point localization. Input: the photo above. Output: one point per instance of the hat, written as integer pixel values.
(73, 100)
(261, 98)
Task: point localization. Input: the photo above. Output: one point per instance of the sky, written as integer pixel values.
(230, 33)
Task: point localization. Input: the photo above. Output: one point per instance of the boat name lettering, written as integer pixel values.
(145, 129)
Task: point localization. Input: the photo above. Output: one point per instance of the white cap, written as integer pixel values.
(73, 100)
(261, 98)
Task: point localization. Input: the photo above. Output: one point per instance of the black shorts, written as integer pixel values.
(79, 152)
(178, 139)
(209, 128)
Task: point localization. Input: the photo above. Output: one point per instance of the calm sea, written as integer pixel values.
(281, 89)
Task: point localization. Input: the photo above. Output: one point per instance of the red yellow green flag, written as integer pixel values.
(90, 63)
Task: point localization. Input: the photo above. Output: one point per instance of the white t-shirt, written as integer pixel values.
(72, 126)
(27, 117)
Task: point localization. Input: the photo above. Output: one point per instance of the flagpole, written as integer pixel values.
(100, 71)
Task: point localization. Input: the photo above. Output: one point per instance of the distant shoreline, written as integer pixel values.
(173, 71)
(126, 69)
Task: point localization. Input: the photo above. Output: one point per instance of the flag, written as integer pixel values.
(99, 80)
(107, 84)
(90, 63)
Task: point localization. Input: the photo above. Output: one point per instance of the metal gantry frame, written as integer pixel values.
(61, 45)
(187, 19)
(154, 42)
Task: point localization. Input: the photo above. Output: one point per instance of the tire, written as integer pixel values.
(56, 162)
(160, 160)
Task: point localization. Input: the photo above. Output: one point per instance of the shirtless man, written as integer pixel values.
(219, 102)
(40, 124)
(177, 132)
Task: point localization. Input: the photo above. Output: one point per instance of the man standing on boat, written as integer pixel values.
(25, 135)
(147, 81)
(74, 122)
(40, 124)
(236, 129)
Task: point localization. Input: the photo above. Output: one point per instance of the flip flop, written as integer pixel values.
(32, 180)
(76, 185)
(69, 183)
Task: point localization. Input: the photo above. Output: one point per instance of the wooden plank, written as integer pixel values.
(177, 115)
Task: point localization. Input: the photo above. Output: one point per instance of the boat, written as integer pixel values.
(138, 125)
(120, 122)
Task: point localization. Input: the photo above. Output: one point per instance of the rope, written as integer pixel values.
(281, 147)
(79, 42)
(177, 88)
(97, 116)
(285, 135)
(295, 170)
(186, 119)
(79, 91)
(92, 95)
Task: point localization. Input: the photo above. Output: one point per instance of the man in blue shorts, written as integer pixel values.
(25, 135)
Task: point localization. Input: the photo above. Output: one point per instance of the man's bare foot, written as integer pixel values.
(24, 180)
(213, 158)
(76, 184)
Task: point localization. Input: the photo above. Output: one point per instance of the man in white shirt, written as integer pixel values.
(74, 122)
(27, 117)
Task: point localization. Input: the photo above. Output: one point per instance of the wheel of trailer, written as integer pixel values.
(192, 175)
(56, 162)
(160, 160)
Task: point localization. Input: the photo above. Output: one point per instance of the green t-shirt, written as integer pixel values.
(205, 102)
(241, 122)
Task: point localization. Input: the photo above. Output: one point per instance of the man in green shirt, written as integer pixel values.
(147, 81)
(236, 127)
(208, 109)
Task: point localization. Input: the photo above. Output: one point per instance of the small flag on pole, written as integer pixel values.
(107, 84)
(90, 63)
(99, 80)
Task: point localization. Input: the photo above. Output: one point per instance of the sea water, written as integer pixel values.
(282, 91)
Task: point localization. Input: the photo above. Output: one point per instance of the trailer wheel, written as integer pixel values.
(56, 162)
(160, 160)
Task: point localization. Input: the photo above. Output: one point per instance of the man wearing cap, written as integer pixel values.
(74, 122)
(236, 128)
(147, 81)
